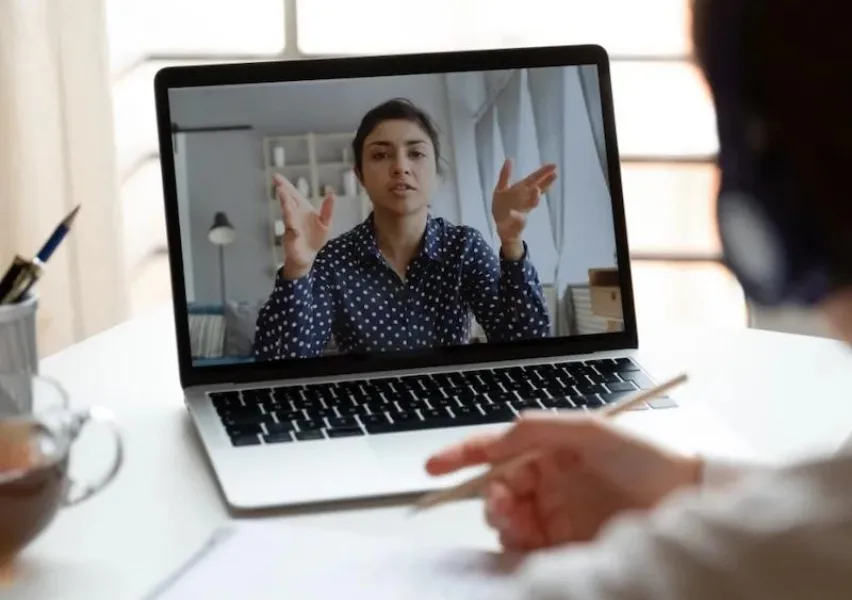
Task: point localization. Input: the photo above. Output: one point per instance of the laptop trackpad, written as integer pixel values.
(404, 455)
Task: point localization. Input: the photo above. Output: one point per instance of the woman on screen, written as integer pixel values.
(403, 279)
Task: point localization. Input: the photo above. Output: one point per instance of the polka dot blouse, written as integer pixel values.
(353, 294)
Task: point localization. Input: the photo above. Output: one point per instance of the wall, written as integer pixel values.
(226, 173)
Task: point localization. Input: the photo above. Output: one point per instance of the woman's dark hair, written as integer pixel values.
(393, 110)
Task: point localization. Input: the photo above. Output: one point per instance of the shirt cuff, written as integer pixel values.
(518, 272)
(295, 287)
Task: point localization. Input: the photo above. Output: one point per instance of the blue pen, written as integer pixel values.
(56, 237)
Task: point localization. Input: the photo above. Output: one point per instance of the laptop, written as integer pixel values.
(318, 365)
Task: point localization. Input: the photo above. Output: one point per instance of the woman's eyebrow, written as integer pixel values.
(412, 142)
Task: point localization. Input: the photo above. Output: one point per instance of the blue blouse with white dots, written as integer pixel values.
(354, 294)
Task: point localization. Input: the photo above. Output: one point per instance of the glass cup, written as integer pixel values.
(35, 447)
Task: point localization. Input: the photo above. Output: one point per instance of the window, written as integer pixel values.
(664, 115)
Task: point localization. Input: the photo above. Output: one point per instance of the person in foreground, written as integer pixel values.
(402, 279)
(604, 516)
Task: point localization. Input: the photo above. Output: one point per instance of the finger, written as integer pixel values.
(552, 505)
(287, 209)
(542, 171)
(522, 530)
(498, 505)
(545, 183)
(469, 453)
(505, 175)
(327, 209)
(520, 481)
(533, 200)
(299, 201)
(540, 429)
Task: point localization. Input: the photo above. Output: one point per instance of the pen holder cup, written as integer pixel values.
(18, 355)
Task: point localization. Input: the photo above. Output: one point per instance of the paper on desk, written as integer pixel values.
(273, 561)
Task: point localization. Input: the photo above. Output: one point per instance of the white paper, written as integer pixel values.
(274, 561)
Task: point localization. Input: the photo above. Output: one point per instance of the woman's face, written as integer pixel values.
(398, 167)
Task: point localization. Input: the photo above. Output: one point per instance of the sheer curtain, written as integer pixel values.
(56, 151)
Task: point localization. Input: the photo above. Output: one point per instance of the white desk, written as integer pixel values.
(788, 394)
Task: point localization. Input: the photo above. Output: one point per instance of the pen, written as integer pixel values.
(57, 236)
(23, 274)
(474, 487)
(11, 276)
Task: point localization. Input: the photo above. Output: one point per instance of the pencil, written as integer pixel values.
(474, 487)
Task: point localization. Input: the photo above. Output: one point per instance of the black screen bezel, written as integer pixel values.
(375, 66)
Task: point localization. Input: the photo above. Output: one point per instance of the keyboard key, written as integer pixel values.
(353, 410)
(498, 413)
(614, 397)
(403, 416)
(588, 389)
(241, 430)
(526, 404)
(320, 413)
(238, 420)
(591, 401)
(559, 403)
(305, 436)
(309, 424)
(639, 378)
(621, 386)
(376, 419)
(435, 413)
(340, 432)
(289, 415)
(280, 427)
(625, 364)
(277, 438)
(226, 399)
(662, 402)
(335, 422)
(245, 440)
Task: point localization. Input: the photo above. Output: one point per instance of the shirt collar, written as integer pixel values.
(431, 248)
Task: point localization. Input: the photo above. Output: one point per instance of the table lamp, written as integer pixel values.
(221, 234)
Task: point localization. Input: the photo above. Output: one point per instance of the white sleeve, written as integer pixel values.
(782, 535)
(717, 473)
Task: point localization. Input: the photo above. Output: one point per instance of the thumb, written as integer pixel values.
(327, 209)
(545, 431)
(505, 175)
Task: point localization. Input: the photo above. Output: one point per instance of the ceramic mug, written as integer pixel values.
(35, 450)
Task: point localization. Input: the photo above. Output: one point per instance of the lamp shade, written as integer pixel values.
(221, 232)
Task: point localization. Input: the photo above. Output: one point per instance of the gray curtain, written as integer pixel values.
(590, 84)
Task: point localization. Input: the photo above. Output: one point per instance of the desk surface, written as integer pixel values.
(785, 393)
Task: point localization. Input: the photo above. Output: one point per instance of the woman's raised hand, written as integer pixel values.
(306, 229)
(511, 203)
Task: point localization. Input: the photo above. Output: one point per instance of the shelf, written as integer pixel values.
(338, 165)
(300, 167)
(322, 159)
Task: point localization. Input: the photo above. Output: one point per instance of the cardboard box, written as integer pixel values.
(606, 293)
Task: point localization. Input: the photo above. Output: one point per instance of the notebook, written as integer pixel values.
(260, 561)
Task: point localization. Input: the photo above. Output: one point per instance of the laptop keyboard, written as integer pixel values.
(322, 411)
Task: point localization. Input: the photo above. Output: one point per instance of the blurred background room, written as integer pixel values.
(77, 126)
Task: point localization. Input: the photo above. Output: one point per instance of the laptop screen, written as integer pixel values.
(393, 214)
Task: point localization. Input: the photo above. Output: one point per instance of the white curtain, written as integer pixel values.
(56, 151)
(490, 157)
